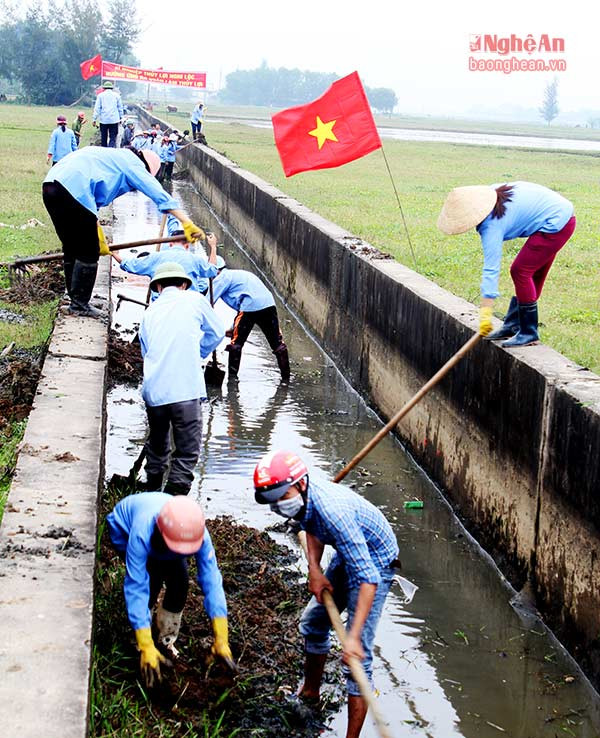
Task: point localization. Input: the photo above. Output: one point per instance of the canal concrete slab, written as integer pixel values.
(48, 535)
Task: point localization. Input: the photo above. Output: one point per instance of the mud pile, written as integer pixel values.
(36, 284)
(265, 597)
(19, 375)
(125, 363)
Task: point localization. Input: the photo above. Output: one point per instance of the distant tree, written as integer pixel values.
(41, 49)
(274, 87)
(121, 32)
(382, 99)
(549, 109)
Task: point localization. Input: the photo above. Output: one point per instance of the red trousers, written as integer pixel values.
(532, 264)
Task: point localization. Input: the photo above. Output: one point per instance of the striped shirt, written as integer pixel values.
(357, 530)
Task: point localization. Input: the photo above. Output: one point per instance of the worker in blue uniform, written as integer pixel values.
(155, 533)
(73, 191)
(245, 293)
(197, 267)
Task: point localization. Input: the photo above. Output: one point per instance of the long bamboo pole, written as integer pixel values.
(354, 664)
(113, 247)
(391, 424)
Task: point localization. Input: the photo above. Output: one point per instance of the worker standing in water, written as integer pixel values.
(255, 305)
(359, 575)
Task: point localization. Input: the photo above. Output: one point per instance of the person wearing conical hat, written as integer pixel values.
(502, 212)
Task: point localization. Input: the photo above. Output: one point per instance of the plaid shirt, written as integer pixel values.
(358, 531)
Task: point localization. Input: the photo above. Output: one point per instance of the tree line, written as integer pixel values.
(285, 87)
(41, 49)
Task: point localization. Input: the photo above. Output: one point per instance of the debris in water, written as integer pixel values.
(413, 504)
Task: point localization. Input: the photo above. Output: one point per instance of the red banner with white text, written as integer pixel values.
(156, 76)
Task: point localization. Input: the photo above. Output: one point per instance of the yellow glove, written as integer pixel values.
(485, 320)
(192, 232)
(221, 645)
(104, 250)
(150, 657)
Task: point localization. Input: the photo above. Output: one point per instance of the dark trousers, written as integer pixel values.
(173, 573)
(196, 128)
(75, 225)
(267, 321)
(184, 419)
(108, 134)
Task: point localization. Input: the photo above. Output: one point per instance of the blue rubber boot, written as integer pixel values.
(528, 331)
(511, 322)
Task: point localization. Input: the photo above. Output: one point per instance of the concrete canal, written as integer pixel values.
(459, 660)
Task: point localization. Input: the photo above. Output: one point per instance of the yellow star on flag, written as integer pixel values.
(92, 68)
(323, 132)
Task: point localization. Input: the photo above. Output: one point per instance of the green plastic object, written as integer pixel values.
(413, 505)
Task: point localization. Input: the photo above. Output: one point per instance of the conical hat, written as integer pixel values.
(466, 207)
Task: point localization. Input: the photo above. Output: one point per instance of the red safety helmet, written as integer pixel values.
(275, 473)
(61, 119)
(81, 114)
(181, 523)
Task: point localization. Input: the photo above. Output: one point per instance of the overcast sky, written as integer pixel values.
(418, 48)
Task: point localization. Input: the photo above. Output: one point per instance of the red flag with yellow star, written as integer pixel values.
(91, 67)
(336, 128)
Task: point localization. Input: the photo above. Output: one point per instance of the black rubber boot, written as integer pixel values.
(82, 286)
(283, 361)
(235, 356)
(68, 270)
(153, 483)
(511, 322)
(175, 489)
(528, 331)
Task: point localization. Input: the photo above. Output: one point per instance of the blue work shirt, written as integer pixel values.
(130, 526)
(61, 143)
(140, 142)
(196, 266)
(95, 176)
(357, 530)
(241, 290)
(177, 330)
(108, 107)
(532, 208)
(196, 115)
(172, 149)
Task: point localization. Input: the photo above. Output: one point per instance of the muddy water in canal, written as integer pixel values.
(458, 660)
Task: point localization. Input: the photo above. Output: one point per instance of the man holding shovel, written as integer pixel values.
(359, 575)
(155, 533)
(172, 330)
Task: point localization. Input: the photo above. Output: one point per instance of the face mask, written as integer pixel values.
(288, 508)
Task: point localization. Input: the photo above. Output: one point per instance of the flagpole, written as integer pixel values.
(412, 251)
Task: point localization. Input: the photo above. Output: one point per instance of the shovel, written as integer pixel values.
(213, 374)
(126, 484)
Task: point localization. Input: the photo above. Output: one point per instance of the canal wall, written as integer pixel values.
(48, 536)
(511, 437)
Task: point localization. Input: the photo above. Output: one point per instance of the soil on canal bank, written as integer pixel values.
(265, 596)
(20, 368)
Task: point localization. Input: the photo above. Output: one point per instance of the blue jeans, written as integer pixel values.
(315, 625)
